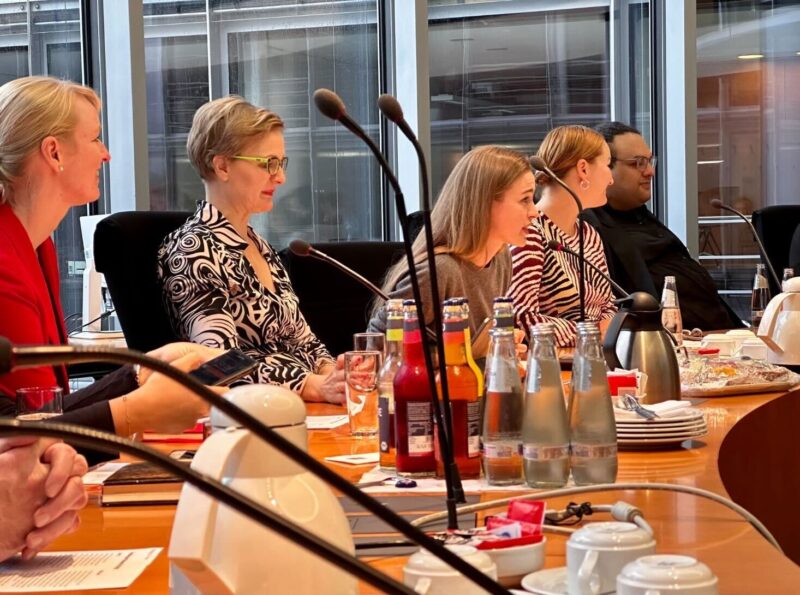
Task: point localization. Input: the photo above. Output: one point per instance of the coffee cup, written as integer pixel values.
(666, 574)
(725, 344)
(597, 552)
(428, 575)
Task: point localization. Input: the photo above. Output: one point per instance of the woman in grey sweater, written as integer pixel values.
(485, 205)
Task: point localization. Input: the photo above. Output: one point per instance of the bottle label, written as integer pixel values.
(473, 429)
(394, 335)
(593, 451)
(385, 430)
(420, 429)
(669, 299)
(500, 450)
(534, 452)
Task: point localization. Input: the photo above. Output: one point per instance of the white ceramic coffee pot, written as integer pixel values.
(214, 549)
(780, 326)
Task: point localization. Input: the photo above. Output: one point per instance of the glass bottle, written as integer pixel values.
(788, 273)
(671, 309)
(462, 386)
(464, 303)
(502, 415)
(393, 350)
(545, 430)
(593, 432)
(413, 414)
(760, 298)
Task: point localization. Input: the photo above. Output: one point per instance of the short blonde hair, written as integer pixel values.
(31, 109)
(223, 127)
(564, 146)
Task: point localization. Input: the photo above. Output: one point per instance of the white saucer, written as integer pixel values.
(550, 581)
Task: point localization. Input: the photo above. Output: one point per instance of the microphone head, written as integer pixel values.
(300, 247)
(390, 108)
(554, 245)
(715, 202)
(329, 104)
(537, 163)
(6, 356)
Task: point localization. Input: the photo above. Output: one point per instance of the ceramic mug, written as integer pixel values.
(666, 575)
(598, 551)
(428, 575)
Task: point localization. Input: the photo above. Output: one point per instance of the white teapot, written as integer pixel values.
(214, 549)
(780, 326)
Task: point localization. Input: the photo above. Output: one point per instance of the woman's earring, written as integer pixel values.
(60, 168)
(584, 184)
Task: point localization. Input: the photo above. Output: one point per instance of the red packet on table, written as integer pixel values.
(617, 380)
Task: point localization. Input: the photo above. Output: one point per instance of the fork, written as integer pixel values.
(631, 403)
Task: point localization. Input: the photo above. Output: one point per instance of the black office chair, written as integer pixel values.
(334, 305)
(775, 226)
(125, 249)
(794, 251)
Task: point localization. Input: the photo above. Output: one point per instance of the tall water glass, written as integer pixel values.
(361, 372)
(369, 342)
(36, 403)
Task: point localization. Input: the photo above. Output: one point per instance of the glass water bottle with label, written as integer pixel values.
(502, 415)
(394, 350)
(545, 429)
(593, 432)
(671, 309)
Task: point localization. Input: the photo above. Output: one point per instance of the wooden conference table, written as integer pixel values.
(744, 562)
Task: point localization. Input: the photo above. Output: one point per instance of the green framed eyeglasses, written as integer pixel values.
(271, 164)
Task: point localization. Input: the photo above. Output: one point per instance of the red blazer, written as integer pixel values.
(30, 306)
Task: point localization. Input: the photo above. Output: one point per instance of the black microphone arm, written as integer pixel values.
(95, 439)
(721, 205)
(391, 108)
(25, 357)
(331, 105)
(559, 247)
(303, 249)
(539, 164)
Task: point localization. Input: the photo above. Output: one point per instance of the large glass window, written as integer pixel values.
(510, 78)
(275, 54)
(748, 138)
(43, 38)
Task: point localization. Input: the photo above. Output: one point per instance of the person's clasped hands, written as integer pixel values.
(41, 493)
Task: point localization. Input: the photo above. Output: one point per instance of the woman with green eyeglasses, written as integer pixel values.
(223, 284)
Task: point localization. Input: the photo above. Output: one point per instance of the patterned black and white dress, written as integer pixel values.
(214, 298)
(544, 283)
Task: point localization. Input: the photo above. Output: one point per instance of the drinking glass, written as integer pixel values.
(361, 371)
(368, 342)
(36, 403)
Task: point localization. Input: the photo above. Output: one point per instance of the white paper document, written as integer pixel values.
(325, 422)
(365, 458)
(430, 485)
(56, 572)
(99, 474)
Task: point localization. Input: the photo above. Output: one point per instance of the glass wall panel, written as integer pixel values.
(509, 78)
(275, 54)
(43, 38)
(748, 139)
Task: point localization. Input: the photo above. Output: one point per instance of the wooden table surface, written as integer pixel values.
(744, 562)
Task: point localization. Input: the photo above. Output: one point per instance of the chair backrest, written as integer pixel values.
(125, 249)
(775, 226)
(335, 305)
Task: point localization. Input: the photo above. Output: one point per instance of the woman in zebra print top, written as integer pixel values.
(544, 282)
(223, 284)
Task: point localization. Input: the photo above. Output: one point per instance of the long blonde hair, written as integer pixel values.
(31, 109)
(461, 218)
(564, 146)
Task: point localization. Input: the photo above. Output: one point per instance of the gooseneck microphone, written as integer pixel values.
(539, 164)
(721, 205)
(12, 357)
(97, 440)
(391, 108)
(331, 105)
(557, 246)
(302, 248)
